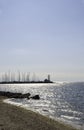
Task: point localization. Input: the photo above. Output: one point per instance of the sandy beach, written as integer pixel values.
(16, 118)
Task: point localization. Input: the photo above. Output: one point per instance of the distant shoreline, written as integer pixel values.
(24, 82)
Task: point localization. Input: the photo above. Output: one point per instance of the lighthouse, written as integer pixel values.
(48, 77)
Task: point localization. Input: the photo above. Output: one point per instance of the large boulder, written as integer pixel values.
(14, 95)
(18, 95)
(10, 94)
(36, 97)
(27, 95)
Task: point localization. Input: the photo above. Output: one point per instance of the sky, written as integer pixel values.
(43, 37)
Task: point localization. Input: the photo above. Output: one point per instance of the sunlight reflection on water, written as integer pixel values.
(60, 101)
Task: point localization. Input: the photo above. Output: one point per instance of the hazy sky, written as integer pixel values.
(43, 36)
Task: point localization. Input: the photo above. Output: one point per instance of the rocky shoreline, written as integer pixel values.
(19, 95)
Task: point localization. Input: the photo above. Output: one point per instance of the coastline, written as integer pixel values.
(17, 118)
(26, 82)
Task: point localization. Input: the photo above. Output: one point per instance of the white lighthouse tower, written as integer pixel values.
(48, 77)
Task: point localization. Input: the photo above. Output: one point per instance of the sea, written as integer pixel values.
(62, 101)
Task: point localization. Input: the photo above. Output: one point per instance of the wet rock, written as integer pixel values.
(14, 95)
(27, 95)
(36, 97)
(18, 95)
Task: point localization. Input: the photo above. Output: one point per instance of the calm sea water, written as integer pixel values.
(61, 101)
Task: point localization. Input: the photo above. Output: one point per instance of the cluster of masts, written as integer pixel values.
(21, 77)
